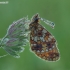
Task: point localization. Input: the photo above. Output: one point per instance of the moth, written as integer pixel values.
(42, 42)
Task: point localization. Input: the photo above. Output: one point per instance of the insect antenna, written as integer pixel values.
(48, 22)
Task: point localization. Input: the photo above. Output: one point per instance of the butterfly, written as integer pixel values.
(42, 42)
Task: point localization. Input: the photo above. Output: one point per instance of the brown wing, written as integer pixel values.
(43, 44)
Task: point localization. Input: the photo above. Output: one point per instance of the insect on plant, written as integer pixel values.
(42, 42)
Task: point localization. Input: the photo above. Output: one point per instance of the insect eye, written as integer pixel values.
(35, 19)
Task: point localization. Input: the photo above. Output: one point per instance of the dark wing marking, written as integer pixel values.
(43, 44)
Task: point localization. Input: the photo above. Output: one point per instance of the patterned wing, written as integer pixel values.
(43, 43)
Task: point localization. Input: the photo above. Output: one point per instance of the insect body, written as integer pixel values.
(42, 43)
